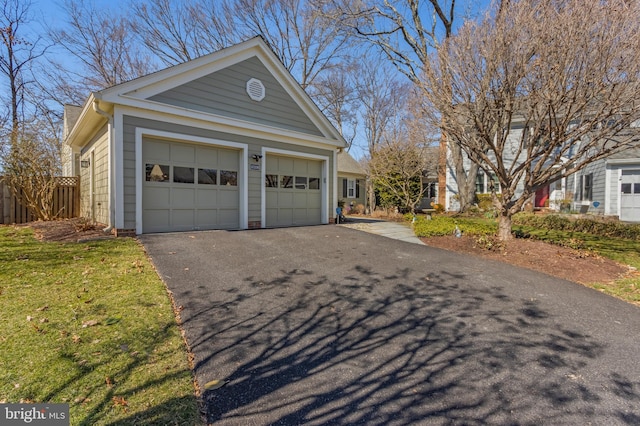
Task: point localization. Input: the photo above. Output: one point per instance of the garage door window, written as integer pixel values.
(314, 183)
(271, 181)
(207, 176)
(286, 182)
(157, 173)
(183, 174)
(228, 178)
(301, 182)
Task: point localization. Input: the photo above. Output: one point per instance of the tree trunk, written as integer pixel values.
(504, 226)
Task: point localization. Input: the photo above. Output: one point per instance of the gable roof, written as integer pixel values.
(347, 164)
(139, 93)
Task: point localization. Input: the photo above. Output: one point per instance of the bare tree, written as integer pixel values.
(103, 47)
(382, 104)
(402, 156)
(407, 31)
(540, 90)
(335, 93)
(17, 55)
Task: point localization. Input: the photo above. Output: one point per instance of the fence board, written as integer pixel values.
(65, 203)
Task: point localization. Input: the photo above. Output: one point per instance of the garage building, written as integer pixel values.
(226, 141)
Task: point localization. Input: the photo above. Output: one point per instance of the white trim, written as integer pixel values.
(243, 178)
(622, 161)
(324, 196)
(184, 116)
(147, 86)
(607, 191)
(118, 166)
(335, 184)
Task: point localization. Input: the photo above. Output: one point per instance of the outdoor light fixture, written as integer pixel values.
(256, 157)
(85, 164)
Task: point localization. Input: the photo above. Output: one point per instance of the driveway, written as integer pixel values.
(331, 325)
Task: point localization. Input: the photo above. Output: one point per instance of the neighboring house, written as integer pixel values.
(351, 181)
(226, 141)
(609, 187)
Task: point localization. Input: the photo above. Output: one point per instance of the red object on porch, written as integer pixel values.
(542, 196)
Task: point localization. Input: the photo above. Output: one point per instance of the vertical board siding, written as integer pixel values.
(65, 203)
(99, 145)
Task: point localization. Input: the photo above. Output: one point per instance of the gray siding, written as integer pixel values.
(254, 147)
(224, 93)
(361, 199)
(596, 168)
(99, 144)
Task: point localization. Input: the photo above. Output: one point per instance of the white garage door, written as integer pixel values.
(293, 191)
(630, 196)
(189, 187)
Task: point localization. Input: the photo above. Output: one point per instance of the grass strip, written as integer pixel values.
(90, 324)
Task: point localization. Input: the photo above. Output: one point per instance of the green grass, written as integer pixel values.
(622, 250)
(131, 367)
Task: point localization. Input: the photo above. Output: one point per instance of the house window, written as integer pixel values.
(480, 182)
(351, 188)
(586, 187)
(626, 188)
(485, 183)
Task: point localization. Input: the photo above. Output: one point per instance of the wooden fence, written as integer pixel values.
(66, 202)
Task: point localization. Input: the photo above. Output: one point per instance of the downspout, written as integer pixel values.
(109, 117)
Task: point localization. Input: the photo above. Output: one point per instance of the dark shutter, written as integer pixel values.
(357, 188)
(344, 188)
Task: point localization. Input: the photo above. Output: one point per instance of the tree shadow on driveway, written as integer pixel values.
(399, 349)
(360, 329)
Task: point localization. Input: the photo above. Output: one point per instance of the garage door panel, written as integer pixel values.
(300, 199)
(227, 199)
(228, 157)
(183, 219)
(156, 197)
(228, 219)
(157, 151)
(207, 198)
(285, 199)
(183, 153)
(300, 167)
(183, 197)
(313, 202)
(207, 156)
(155, 220)
(207, 218)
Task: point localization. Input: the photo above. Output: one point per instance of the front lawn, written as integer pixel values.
(91, 325)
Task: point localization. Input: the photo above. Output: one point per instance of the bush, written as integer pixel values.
(446, 225)
(588, 226)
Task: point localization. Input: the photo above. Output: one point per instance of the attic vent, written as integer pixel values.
(255, 89)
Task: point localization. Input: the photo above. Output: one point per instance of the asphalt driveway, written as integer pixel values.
(330, 325)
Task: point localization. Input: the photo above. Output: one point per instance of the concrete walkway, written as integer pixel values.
(396, 230)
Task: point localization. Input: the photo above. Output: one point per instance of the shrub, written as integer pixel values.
(584, 225)
(446, 225)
